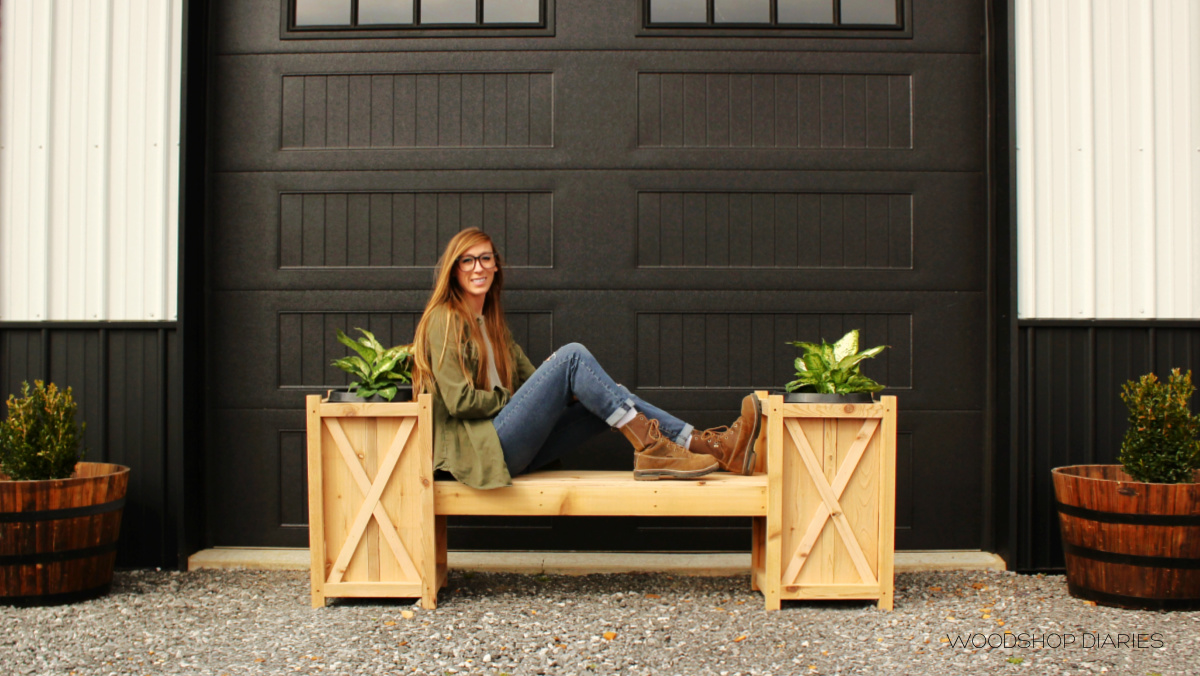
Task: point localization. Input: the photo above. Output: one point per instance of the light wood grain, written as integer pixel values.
(431, 543)
(373, 590)
(607, 493)
(838, 500)
(775, 525)
(833, 499)
(407, 409)
(887, 504)
(831, 502)
(831, 591)
(316, 520)
(370, 506)
(859, 494)
(821, 513)
(876, 410)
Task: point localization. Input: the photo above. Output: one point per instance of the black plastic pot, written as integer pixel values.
(403, 393)
(820, 398)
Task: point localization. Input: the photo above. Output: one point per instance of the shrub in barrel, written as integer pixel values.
(59, 517)
(1131, 532)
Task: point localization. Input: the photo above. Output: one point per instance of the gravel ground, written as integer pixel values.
(261, 622)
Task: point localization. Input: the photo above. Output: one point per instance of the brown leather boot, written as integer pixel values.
(733, 446)
(656, 457)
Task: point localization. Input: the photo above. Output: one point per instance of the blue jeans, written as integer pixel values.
(543, 420)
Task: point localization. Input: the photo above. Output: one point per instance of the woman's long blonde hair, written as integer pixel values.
(459, 319)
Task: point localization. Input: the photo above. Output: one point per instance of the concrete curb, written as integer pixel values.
(583, 563)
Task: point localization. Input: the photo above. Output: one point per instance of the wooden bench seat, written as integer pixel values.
(607, 493)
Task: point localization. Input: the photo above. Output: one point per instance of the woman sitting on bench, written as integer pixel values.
(495, 416)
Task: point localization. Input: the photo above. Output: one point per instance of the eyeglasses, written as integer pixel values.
(467, 263)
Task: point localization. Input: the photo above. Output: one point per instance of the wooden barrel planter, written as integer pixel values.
(1127, 543)
(58, 538)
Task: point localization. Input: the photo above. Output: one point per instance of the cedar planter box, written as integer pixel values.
(833, 495)
(370, 498)
(1128, 543)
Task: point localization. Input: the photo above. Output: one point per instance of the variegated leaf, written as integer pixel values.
(846, 346)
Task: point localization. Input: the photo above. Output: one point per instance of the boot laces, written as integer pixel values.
(654, 432)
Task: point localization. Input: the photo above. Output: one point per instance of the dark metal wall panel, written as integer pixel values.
(119, 378)
(409, 229)
(933, 236)
(787, 230)
(598, 107)
(774, 110)
(742, 351)
(1070, 381)
(930, 333)
(308, 341)
(413, 110)
(24, 359)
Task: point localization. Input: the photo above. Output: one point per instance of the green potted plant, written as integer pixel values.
(59, 517)
(381, 374)
(1129, 531)
(832, 373)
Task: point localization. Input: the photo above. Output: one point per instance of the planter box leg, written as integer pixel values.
(442, 560)
(885, 601)
(757, 552)
(773, 526)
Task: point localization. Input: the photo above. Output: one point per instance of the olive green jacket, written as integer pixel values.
(464, 439)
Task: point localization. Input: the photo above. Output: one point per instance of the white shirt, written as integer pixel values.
(493, 376)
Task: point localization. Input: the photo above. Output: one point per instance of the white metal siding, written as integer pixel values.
(89, 159)
(1108, 158)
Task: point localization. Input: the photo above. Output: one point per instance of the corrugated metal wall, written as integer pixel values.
(123, 378)
(89, 159)
(1108, 158)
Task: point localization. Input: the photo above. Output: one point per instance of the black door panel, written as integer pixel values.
(683, 203)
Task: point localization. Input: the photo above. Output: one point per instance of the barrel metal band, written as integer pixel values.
(65, 513)
(1132, 559)
(1125, 517)
(1132, 601)
(53, 557)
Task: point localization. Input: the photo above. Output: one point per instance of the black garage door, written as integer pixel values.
(683, 200)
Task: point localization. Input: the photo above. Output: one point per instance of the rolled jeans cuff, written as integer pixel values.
(621, 411)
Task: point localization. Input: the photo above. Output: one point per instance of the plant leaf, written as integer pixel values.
(353, 344)
(827, 355)
(355, 366)
(846, 346)
(808, 347)
(851, 360)
(384, 366)
(369, 341)
(800, 365)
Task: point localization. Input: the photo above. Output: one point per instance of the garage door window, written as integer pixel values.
(399, 14)
(855, 14)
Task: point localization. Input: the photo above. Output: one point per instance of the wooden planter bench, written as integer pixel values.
(822, 501)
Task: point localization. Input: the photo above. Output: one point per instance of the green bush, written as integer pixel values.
(1161, 446)
(40, 439)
